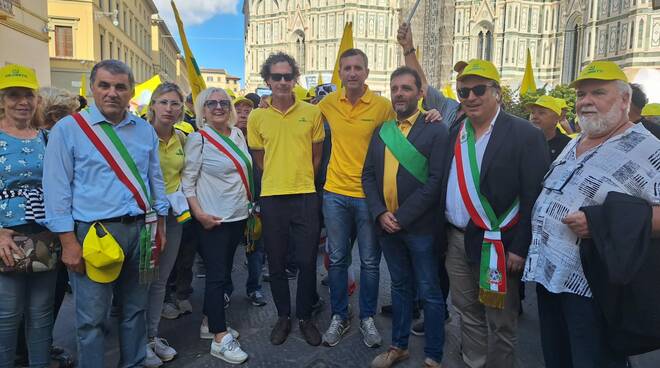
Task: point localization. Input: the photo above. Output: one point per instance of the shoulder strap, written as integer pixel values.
(231, 150)
(404, 151)
(118, 158)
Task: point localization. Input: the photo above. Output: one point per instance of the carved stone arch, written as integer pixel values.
(482, 39)
(573, 46)
(299, 47)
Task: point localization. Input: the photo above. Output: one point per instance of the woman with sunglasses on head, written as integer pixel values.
(28, 256)
(216, 182)
(165, 110)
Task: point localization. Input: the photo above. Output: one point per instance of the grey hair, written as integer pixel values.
(624, 89)
(162, 89)
(201, 99)
(114, 67)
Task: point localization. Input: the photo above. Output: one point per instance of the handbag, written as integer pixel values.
(41, 252)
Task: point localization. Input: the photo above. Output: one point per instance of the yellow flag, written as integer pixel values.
(528, 84)
(448, 92)
(195, 79)
(143, 91)
(320, 80)
(346, 43)
(82, 91)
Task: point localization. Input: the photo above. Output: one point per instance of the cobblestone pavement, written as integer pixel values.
(255, 323)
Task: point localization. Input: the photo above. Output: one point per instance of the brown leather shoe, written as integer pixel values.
(387, 359)
(430, 363)
(281, 331)
(310, 332)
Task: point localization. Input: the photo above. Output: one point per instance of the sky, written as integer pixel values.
(214, 29)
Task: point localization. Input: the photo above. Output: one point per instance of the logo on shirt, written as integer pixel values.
(179, 152)
(303, 120)
(367, 120)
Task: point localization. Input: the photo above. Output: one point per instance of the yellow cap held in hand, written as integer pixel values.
(601, 70)
(548, 102)
(14, 75)
(480, 68)
(652, 109)
(102, 254)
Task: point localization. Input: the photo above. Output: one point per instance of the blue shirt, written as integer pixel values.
(79, 184)
(21, 162)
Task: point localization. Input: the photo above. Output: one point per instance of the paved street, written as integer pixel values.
(254, 324)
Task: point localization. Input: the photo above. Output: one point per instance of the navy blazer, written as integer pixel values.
(420, 205)
(514, 163)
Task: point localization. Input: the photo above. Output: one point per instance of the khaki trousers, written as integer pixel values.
(488, 335)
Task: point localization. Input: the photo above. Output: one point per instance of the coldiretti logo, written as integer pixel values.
(593, 69)
(303, 120)
(15, 73)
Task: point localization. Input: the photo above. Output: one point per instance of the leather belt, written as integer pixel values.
(125, 219)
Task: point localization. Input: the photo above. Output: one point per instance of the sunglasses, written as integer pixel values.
(278, 77)
(212, 104)
(478, 91)
(15, 94)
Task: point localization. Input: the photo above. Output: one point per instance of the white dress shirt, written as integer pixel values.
(455, 211)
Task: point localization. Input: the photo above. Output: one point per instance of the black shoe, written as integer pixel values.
(318, 306)
(281, 331)
(310, 332)
(417, 328)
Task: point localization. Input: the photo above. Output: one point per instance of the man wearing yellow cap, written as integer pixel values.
(101, 166)
(612, 158)
(545, 113)
(497, 165)
(638, 104)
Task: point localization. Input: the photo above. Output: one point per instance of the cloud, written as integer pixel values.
(194, 12)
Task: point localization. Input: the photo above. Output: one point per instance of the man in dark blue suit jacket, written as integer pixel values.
(402, 179)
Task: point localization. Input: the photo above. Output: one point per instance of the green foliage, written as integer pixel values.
(516, 104)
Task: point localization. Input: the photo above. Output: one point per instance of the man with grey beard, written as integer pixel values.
(611, 155)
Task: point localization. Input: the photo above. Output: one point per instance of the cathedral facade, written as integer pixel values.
(562, 36)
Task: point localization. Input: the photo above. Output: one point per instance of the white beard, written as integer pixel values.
(601, 124)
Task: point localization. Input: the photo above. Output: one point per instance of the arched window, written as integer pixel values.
(489, 46)
(480, 46)
(632, 34)
(640, 34)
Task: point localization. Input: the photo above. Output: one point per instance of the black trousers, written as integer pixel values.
(180, 279)
(291, 219)
(217, 247)
(572, 333)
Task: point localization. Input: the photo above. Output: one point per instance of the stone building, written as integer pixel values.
(219, 78)
(311, 30)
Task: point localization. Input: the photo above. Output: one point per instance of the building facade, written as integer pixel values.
(311, 30)
(83, 32)
(24, 36)
(219, 78)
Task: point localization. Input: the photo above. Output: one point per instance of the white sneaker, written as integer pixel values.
(228, 350)
(206, 335)
(184, 306)
(162, 349)
(152, 361)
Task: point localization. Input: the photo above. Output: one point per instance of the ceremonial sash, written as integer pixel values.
(492, 274)
(404, 151)
(110, 146)
(243, 166)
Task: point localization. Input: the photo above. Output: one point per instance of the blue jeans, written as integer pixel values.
(341, 214)
(413, 261)
(29, 296)
(255, 261)
(93, 301)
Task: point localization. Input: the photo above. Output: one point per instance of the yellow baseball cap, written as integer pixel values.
(651, 109)
(601, 70)
(14, 75)
(548, 102)
(230, 93)
(480, 68)
(102, 254)
(562, 103)
(242, 99)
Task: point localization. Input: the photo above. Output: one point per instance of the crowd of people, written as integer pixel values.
(461, 199)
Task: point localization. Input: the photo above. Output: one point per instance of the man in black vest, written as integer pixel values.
(494, 175)
(402, 179)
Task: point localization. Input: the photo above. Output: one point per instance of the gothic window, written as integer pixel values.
(640, 34)
(489, 46)
(632, 34)
(480, 46)
(529, 20)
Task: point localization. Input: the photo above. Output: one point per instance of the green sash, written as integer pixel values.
(404, 151)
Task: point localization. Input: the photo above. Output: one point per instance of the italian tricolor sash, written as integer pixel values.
(243, 166)
(110, 146)
(404, 151)
(492, 275)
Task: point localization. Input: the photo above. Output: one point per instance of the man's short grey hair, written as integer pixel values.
(114, 67)
(624, 89)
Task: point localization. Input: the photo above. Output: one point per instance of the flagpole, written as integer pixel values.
(412, 12)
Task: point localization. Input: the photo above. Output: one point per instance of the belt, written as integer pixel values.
(452, 226)
(125, 219)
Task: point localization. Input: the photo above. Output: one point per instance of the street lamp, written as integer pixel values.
(114, 14)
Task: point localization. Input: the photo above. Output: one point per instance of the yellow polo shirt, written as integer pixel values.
(171, 158)
(286, 139)
(391, 166)
(351, 127)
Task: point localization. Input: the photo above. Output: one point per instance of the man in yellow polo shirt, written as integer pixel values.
(402, 179)
(352, 114)
(286, 140)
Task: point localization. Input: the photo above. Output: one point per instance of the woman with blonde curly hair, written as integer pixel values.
(56, 103)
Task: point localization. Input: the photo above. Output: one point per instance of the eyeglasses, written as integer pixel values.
(212, 104)
(278, 77)
(172, 103)
(478, 91)
(556, 183)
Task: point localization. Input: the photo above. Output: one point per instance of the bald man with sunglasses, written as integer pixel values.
(495, 173)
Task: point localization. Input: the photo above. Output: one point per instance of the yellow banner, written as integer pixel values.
(346, 43)
(528, 84)
(82, 91)
(195, 79)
